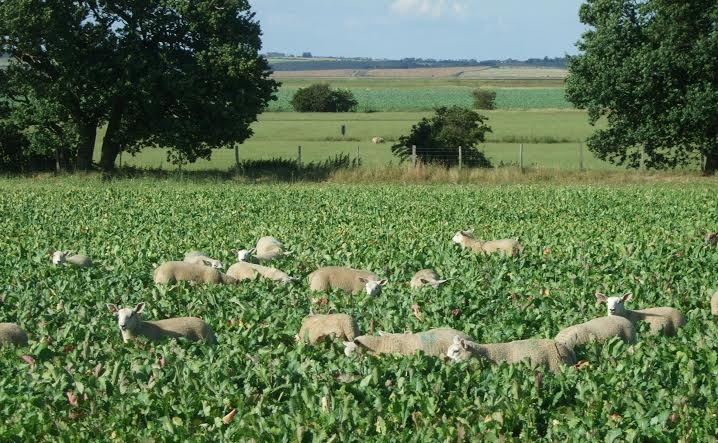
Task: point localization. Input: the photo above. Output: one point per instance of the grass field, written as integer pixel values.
(460, 72)
(77, 381)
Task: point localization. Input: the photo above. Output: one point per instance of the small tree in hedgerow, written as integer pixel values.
(320, 98)
(437, 139)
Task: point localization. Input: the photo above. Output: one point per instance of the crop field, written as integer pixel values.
(472, 72)
(77, 380)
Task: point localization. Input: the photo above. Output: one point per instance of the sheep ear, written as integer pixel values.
(113, 308)
(600, 297)
(438, 282)
(463, 343)
(627, 296)
(139, 308)
(363, 280)
(382, 282)
(457, 340)
(253, 251)
(206, 263)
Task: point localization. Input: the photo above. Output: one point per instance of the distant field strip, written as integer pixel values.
(427, 98)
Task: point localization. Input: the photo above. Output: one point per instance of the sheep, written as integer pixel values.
(508, 246)
(174, 271)
(599, 329)
(317, 327)
(712, 238)
(538, 351)
(12, 334)
(268, 248)
(434, 342)
(248, 271)
(131, 326)
(426, 277)
(347, 279)
(377, 140)
(81, 261)
(664, 319)
(200, 258)
(714, 303)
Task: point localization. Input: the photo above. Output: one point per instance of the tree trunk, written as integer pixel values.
(711, 165)
(110, 145)
(87, 147)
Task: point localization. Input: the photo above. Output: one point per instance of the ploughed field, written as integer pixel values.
(76, 380)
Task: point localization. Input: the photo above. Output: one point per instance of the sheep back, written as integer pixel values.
(12, 334)
(339, 277)
(317, 327)
(661, 319)
(174, 271)
(714, 303)
(191, 328)
(422, 278)
(599, 329)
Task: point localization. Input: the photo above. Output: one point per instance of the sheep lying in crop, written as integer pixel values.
(599, 329)
(508, 246)
(268, 248)
(199, 258)
(434, 342)
(249, 271)
(714, 303)
(131, 326)
(174, 271)
(12, 334)
(377, 140)
(664, 319)
(317, 327)
(81, 261)
(426, 277)
(538, 351)
(712, 238)
(347, 279)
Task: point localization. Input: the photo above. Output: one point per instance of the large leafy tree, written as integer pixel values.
(650, 68)
(179, 74)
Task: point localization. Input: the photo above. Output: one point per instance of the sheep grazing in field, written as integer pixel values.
(12, 334)
(249, 271)
(665, 319)
(714, 303)
(200, 258)
(174, 271)
(599, 329)
(377, 140)
(347, 279)
(81, 261)
(508, 246)
(317, 327)
(132, 326)
(538, 351)
(712, 238)
(434, 342)
(268, 248)
(426, 277)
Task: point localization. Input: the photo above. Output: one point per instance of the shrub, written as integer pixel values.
(321, 98)
(484, 99)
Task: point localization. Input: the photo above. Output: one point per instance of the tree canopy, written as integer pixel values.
(650, 68)
(175, 74)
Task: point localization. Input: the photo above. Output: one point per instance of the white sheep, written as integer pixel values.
(201, 258)
(317, 327)
(434, 342)
(347, 279)
(81, 261)
(174, 271)
(537, 351)
(268, 248)
(377, 140)
(664, 319)
(714, 303)
(508, 246)
(132, 326)
(426, 277)
(12, 334)
(599, 329)
(249, 271)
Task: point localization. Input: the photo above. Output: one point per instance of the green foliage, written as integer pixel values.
(661, 389)
(437, 139)
(176, 75)
(484, 99)
(649, 67)
(321, 98)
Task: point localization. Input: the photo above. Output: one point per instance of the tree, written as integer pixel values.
(321, 98)
(177, 74)
(484, 99)
(649, 67)
(437, 139)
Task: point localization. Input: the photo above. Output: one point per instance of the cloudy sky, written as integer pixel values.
(442, 29)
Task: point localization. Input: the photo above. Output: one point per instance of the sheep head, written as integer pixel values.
(615, 305)
(372, 287)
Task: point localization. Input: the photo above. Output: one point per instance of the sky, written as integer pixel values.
(440, 29)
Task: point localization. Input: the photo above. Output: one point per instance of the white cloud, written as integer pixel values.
(430, 8)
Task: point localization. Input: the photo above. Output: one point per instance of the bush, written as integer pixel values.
(320, 98)
(14, 152)
(484, 99)
(437, 140)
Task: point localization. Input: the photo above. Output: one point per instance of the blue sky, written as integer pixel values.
(441, 29)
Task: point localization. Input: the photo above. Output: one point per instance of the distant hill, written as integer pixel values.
(281, 62)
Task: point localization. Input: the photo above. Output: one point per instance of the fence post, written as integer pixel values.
(521, 157)
(236, 154)
(413, 155)
(120, 158)
(358, 158)
(459, 157)
(580, 157)
(299, 155)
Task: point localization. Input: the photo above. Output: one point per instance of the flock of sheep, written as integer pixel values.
(456, 345)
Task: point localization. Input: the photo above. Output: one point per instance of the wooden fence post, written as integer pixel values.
(358, 157)
(299, 155)
(460, 157)
(521, 157)
(413, 155)
(580, 157)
